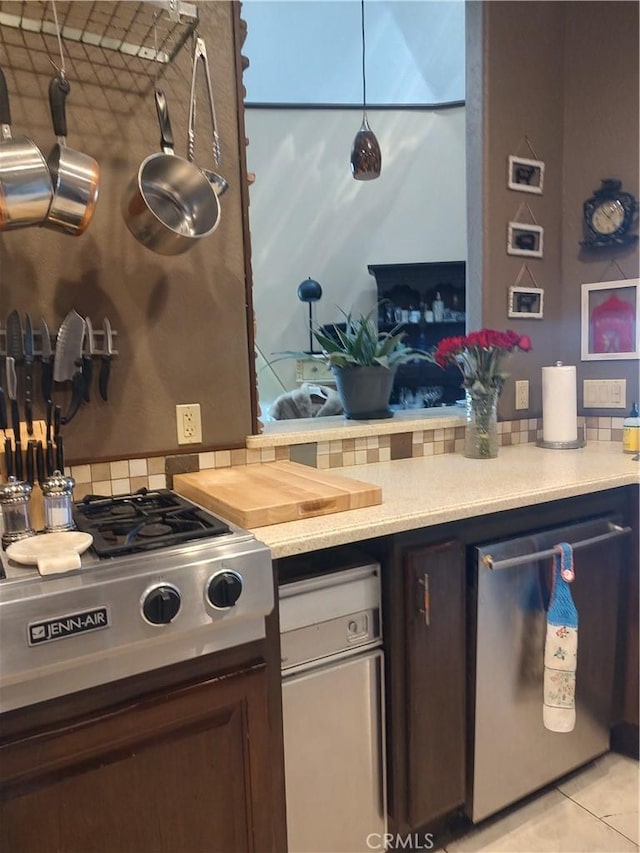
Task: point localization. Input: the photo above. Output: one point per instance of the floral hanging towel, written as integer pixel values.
(561, 647)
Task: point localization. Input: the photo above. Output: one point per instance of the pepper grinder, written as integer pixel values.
(57, 493)
(14, 504)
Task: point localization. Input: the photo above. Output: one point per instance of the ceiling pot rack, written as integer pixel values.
(121, 26)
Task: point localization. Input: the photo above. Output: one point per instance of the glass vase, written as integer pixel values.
(481, 430)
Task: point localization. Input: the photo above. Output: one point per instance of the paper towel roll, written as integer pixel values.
(559, 403)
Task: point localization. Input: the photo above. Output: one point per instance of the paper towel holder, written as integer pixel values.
(565, 445)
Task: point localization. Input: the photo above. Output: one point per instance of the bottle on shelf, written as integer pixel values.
(438, 309)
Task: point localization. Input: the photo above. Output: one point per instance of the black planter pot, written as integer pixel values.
(365, 391)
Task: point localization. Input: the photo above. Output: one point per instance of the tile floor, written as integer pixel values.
(595, 810)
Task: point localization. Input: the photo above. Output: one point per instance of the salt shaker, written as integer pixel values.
(14, 503)
(57, 492)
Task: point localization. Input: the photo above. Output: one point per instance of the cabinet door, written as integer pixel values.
(629, 644)
(435, 680)
(181, 771)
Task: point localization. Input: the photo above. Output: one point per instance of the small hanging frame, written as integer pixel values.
(525, 302)
(524, 174)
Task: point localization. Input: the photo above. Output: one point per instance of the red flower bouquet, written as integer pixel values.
(479, 355)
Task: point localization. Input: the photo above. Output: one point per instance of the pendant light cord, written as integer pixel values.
(364, 75)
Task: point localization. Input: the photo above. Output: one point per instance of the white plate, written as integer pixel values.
(29, 551)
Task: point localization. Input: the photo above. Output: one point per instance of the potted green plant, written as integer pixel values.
(364, 362)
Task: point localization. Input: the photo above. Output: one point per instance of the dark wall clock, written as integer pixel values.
(609, 216)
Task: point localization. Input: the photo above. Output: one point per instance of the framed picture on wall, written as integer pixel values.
(524, 239)
(526, 302)
(525, 176)
(610, 320)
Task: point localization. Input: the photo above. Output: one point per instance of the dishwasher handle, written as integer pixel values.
(615, 530)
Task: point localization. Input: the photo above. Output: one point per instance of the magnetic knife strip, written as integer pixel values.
(98, 335)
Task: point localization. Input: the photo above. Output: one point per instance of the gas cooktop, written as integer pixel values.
(163, 582)
(143, 521)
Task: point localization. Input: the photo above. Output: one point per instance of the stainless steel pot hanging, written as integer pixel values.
(75, 176)
(169, 204)
(25, 183)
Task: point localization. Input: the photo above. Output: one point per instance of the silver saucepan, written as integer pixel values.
(25, 184)
(169, 205)
(75, 176)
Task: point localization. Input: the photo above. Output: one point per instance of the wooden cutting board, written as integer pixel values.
(273, 492)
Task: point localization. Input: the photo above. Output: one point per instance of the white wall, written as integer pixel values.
(309, 51)
(309, 217)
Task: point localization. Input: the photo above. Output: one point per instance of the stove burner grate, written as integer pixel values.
(143, 521)
(150, 531)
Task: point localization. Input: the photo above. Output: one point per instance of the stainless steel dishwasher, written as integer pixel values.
(333, 718)
(514, 754)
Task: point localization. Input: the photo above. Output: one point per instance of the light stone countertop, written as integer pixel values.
(422, 492)
(337, 427)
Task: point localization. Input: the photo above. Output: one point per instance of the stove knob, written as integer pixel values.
(224, 589)
(161, 605)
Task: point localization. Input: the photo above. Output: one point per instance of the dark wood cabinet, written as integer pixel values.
(181, 771)
(435, 626)
(426, 686)
(185, 770)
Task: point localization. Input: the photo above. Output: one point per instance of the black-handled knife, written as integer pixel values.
(8, 457)
(105, 367)
(3, 411)
(28, 374)
(67, 363)
(46, 377)
(60, 454)
(49, 457)
(40, 462)
(29, 457)
(77, 395)
(87, 359)
(12, 384)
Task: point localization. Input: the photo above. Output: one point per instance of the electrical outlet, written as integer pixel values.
(189, 423)
(522, 394)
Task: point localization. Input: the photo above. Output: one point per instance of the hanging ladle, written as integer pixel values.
(218, 183)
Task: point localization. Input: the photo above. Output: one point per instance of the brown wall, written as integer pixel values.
(601, 141)
(181, 321)
(565, 76)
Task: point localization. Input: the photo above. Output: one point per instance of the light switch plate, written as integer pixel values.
(604, 393)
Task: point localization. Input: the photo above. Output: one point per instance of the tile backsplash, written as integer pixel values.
(128, 475)
(117, 478)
